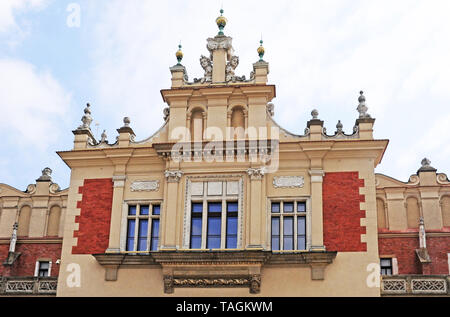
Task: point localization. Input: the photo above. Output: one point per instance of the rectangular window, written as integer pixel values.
(143, 227)
(214, 215)
(288, 225)
(386, 266)
(44, 269)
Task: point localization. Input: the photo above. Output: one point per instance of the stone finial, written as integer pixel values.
(221, 22)
(426, 166)
(87, 118)
(315, 114)
(179, 55)
(261, 51)
(46, 175)
(126, 122)
(362, 108)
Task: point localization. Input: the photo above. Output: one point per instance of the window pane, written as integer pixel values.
(288, 207)
(301, 243)
(231, 242)
(214, 207)
(132, 210)
(155, 235)
(130, 235)
(275, 207)
(232, 207)
(196, 242)
(197, 207)
(232, 223)
(196, 227)
(275, 226)
(288, 226)
(214, 229)
(301, 207)
(301, 226)
(288, 233)
(144, 210)
(214, 226)
(231, 238)
(44, 265)
(156, 210)
(275, 233)
(143, 228)
(385, 262)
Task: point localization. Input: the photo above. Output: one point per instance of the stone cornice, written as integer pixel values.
(224, 268)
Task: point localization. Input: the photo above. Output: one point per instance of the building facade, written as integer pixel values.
(222, 201)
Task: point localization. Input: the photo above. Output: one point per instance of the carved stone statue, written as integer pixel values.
(46, 175)
(362, 108)
(86, 119)
(231, 66)
(206, 64)
(166, 113)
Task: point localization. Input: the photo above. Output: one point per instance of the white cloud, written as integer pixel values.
(33, 105)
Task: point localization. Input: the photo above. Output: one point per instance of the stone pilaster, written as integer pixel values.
(316, 210)
(256, 208)
(171, 197)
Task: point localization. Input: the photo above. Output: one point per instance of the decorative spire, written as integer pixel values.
(261, 51)
(362, 108)
(179, 55)
(221, 23)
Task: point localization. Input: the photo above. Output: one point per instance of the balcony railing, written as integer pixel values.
(419, 285)
(33, 286)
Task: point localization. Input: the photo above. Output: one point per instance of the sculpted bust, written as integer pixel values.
(206, 64)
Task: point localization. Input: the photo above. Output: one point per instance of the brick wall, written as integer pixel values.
(95, 216)
(342, 213)
(30, 253)
(403, 248)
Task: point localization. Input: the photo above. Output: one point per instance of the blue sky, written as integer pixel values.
(321, 54)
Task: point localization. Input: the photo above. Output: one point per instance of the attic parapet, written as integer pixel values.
(126, 133)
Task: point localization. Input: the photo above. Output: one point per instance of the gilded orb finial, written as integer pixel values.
(221, 22)
(261, 51)
(179, 54)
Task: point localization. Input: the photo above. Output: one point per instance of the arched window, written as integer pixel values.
(24, 221)
(381, 214)
(197, 127)
(412, 213)
(238, 123)
(445, 203)
(53, 221)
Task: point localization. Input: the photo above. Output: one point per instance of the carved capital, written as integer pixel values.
(256, 173)
(317, 176)
(119, 181)
(173, 176)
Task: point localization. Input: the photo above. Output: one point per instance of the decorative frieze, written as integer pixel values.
(173, 176)
(288, 181)
(145, 186)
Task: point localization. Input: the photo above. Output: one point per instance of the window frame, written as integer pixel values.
(295, 215)
(391, 267)
(37, 268)
(205, 199)
(138, 217)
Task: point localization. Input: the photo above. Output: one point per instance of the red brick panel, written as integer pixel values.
(342, 213)
(404, 249)
(4, 248)
(438, 248)
(95, 216)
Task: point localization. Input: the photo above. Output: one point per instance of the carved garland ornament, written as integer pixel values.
(288, 181)
(145, 186)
